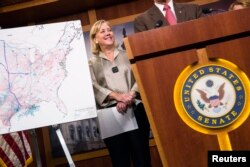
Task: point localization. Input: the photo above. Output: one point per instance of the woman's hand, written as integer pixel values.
(133, 94)
(121, 107)
(127, 98)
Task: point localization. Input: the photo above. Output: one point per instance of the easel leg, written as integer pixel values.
(64, 146)
(36, 147)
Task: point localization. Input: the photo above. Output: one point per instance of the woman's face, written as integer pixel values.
(237, 7)
(105, 36)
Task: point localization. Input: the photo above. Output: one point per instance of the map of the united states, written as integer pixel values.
(35, 62)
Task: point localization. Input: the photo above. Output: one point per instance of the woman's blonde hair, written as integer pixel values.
(244, 3)
(95, 47)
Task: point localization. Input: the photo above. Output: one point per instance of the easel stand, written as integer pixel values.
(64, 146)
(36, 147)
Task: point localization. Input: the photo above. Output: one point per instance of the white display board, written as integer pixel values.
(44, 76)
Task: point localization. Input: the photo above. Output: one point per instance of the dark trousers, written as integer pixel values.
(132, 146)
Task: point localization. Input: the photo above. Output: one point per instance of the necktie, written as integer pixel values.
(170, 18)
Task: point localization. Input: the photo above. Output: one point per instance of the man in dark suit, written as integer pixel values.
(154, 17)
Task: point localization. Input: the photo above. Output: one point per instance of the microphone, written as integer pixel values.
(124, 36)
(210, 10)
(207, 10)
(158, 24)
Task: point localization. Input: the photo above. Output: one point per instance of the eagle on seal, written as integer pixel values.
(214, 101)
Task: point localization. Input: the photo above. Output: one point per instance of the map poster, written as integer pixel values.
(44, 77)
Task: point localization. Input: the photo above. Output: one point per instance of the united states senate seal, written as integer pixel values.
(212, 95)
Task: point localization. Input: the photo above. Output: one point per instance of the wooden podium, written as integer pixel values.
(158, 57)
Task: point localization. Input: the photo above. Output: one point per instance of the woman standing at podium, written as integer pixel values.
(114, 85)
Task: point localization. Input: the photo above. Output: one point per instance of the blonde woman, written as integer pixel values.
(114, 85)
(239, 4)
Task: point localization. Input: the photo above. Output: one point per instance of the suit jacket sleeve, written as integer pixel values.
(139, 24)
(186, 12)
(148, 19)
